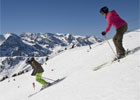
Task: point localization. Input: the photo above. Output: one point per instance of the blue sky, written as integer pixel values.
(80, 17)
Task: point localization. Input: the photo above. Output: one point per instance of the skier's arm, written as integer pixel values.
(33, 73)
(109, 24)
(34, 70)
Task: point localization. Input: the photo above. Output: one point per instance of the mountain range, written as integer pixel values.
(39, 44)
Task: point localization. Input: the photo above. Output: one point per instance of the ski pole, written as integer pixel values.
(112, 49)
(48, 79)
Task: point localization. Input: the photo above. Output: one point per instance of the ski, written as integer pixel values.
(53, 83)
(128, 52)
(100, 66)
(44, 88)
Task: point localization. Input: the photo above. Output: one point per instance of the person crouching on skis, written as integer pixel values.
(121, 27)
(38, 71)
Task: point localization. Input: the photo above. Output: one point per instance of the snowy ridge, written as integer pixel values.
(117, 81)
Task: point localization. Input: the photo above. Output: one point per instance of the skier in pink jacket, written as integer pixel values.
(121, 27)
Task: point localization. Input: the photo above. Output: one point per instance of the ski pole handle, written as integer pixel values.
(33, 85)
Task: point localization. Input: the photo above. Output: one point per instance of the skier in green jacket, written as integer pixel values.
(38, 71)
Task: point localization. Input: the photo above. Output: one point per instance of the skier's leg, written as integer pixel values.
(117, 39)
(116, 42)
(120, 46)
(120, 32)
(40, 80)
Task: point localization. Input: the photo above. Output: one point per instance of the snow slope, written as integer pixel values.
(116, 81)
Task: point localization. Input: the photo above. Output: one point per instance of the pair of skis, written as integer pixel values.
(110, 62)
(53, 83)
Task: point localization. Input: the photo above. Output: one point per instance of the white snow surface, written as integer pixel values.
(116, 81)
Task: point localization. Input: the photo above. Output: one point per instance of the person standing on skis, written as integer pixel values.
(121, 27)
(38, 71)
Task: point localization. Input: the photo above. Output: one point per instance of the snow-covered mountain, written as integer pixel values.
(50, 40)
(15, 49)
(115, 81)
(39, 44)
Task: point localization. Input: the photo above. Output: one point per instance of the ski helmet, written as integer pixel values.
(104, 9)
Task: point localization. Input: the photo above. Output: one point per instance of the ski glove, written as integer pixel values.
(32, 74)
(103, 33)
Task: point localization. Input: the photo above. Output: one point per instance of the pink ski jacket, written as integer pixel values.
(114, 19)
